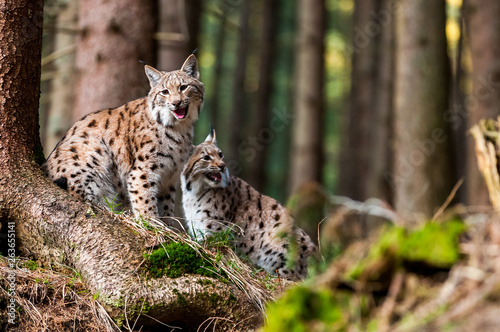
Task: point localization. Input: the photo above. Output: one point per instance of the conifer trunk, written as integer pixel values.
(114, 36)
(307, 133)
(422, 169)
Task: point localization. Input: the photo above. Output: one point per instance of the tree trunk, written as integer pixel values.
(217, 74)
(365, 156)
(239, 105)
(484, 37)
(381, 128)
(178, 26)
(307, 133)
(52, 226)
(422, 174)
(262, 109)
(456, 116)
(20, 49)
(114, 36)
(62, 92)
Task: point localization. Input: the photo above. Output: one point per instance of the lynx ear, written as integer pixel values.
(154, 75)
(211, 137)
(190, 67)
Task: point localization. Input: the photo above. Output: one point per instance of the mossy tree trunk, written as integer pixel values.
(53, 226)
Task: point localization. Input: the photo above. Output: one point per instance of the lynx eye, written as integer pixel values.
(207, 157)
(164, 92)
(183, 87)
(221, 155)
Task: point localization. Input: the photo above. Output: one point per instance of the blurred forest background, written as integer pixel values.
(368, 98)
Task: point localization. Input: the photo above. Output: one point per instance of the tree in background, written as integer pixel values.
(239, 106)
(422, 173)
(62, 90)
(179, 22)
(483, 27)
(262, 106)
(306, 157)
(259, 80)
(365, 152)
(114, 36)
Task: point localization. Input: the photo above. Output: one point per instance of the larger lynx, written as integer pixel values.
(133, 154)
(213, 200)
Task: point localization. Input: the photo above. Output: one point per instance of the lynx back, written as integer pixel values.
(213, 201)
(133, 154)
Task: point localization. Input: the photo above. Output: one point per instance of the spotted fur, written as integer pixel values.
(133, 153)
(213, 200)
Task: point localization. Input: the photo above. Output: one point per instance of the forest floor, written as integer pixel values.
(437, 275)
(443, 275)
(47, 300)
(54, 298)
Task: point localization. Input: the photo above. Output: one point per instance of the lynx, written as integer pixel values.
(133, 154)
(213, 200)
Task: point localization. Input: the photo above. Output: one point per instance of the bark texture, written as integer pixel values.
(483, 28)
(307, 132)
(365, 156)
(114, 36)
(178, 26)
(422, 174)
(217, 74)
(52, 226)
(20, 55)
(239, 105)
(262, 110)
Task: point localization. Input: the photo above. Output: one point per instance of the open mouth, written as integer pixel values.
(181, 113)
(215, 176)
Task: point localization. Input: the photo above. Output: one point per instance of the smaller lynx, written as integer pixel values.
(132, 155)
(213, 200)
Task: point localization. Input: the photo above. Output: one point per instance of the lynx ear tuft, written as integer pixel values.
(154, 75)
(211, 137)
(190, 67)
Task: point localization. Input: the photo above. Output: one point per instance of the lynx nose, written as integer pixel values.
(222, 166)
(176, 103)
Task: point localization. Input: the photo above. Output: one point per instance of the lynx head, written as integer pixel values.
(175, 97)
(206, 167)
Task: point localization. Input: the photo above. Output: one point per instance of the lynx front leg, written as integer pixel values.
(143, 192)
(166, 201)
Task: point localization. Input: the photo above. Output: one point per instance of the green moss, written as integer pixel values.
(386, 248)
(175, 259)
(205, 282)
(118, 303)
(217, 300)
(303, 310)
(213, 299)
(434, 244)
(30, 265)
(141, 307)
(181, 300)
(224, 238)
